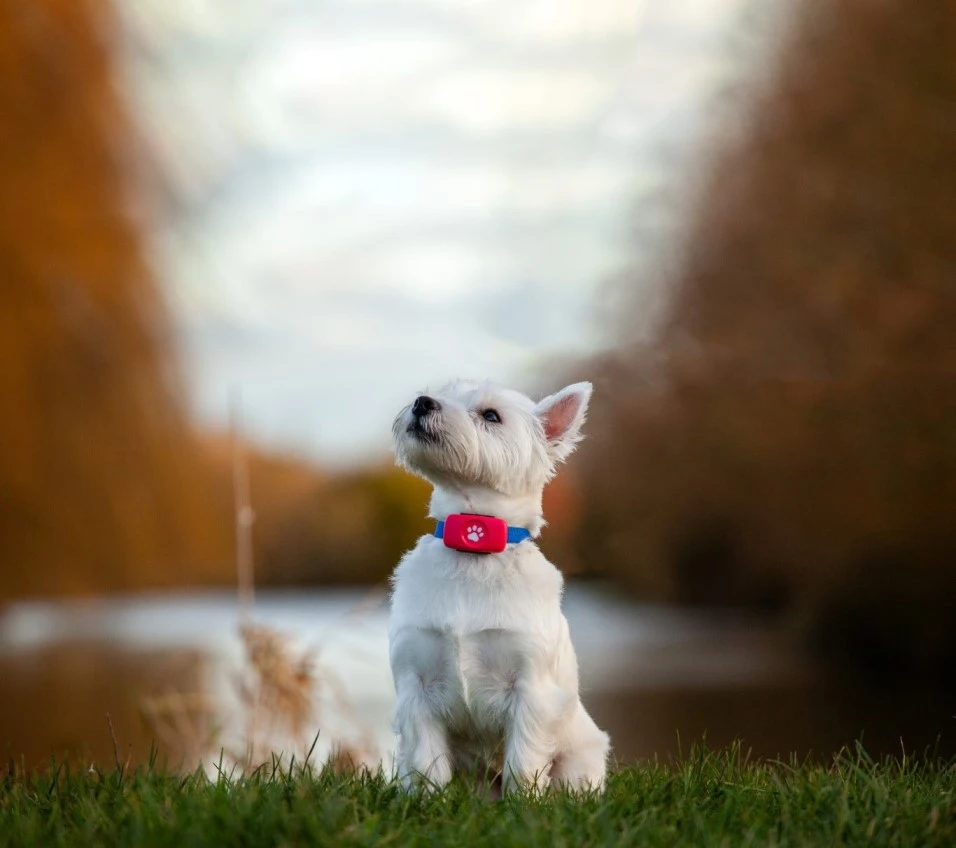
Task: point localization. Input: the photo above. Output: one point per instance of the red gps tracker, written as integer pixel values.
(477, 534)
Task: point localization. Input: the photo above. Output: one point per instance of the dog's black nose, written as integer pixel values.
(423, 405)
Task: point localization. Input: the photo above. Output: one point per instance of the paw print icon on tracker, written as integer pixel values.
(475, 532)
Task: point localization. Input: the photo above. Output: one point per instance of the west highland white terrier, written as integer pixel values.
(481, 656)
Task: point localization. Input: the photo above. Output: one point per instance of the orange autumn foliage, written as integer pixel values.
(104, 484)
(788, 438)
(99, 484)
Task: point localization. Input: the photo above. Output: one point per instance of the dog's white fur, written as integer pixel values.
(480, 651)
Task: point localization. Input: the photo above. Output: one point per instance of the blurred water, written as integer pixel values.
(656, 678)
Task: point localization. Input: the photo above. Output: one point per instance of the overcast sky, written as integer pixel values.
(375, 196)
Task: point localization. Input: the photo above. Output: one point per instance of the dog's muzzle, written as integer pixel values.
(422, 424)
(424, 405)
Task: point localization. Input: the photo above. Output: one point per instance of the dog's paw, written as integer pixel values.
(475, 532)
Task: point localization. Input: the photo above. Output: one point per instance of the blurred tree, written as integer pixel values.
(99, 480)
(791, 435)
(104, 485)
(352, 529)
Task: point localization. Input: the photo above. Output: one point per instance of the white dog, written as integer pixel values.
(480, 651)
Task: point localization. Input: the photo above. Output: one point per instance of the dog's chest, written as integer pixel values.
(462, 594)
(472, 677)
(470, 631)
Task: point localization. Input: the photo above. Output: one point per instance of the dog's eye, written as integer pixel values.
(492, 416)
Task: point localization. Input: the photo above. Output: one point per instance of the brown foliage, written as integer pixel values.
(352, 529)
(796, 420)
(98, 481)
(103, 483)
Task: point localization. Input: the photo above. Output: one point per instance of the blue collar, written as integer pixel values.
(515, 534)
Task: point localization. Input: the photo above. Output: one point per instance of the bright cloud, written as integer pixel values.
(379, 195)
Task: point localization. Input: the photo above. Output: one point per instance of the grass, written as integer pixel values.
(710, 798)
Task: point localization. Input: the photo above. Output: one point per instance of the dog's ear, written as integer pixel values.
(562, 415)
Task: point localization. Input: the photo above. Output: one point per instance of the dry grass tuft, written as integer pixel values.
(278, 687)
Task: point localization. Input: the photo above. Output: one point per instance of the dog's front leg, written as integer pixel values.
(423, 756)
(422, 667)
(529, 739)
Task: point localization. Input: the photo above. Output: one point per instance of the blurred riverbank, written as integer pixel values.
(657, 678)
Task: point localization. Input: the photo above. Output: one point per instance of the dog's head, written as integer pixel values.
(479, 434)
